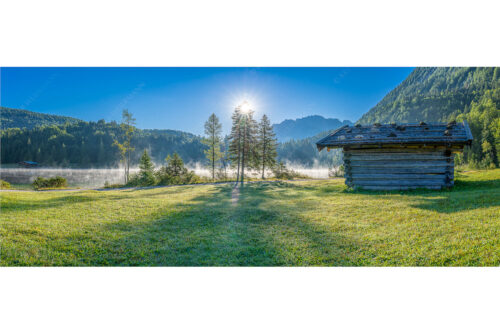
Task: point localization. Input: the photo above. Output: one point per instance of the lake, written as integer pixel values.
(97, 177)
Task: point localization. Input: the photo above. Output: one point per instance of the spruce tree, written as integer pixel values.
(266, 145)
(175, 165)
(213, 130)
(234, 147)
(146, 167)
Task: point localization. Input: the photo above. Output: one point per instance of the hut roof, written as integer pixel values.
(377, 134)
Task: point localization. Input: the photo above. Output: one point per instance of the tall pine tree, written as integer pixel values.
(146, 167)
(266, 145)
(213, 130)
(234, 147)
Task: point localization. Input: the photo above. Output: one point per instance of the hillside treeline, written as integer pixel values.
(90, 144)
(16, 118)
(304, 152)
(443, 94)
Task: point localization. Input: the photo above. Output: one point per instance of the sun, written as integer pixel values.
(245, 107)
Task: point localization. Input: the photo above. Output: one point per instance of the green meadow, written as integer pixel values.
(303, 223)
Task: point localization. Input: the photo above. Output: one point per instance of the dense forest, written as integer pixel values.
(304, 152)
(90, 144)
(15, 118)
(443, 94)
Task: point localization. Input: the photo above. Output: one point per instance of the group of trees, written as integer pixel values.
(484, 121)
(251, 144)
(172, 173)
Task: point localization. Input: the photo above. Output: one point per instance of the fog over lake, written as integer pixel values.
(97, 177)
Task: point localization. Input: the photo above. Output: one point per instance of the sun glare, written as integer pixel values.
(245, 107)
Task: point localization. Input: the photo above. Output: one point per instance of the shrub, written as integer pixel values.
(280, 171)
(175, 173)
(54, 182)
(4, 184)
(108, 185)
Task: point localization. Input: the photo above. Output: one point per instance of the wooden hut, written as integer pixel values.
(399, 157)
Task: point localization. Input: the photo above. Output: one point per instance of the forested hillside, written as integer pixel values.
(443, 94)
(81, 144)
(304, 152)
(305, 127)
(90, 144)
(15, 118)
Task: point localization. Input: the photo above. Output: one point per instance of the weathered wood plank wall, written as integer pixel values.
(399, 168)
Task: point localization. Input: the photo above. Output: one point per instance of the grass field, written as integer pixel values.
(318, 223)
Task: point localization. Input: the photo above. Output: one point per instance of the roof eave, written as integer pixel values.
(319, 144)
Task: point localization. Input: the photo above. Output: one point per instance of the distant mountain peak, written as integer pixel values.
(306, 127)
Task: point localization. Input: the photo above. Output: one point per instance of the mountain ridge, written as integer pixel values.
(305, 127)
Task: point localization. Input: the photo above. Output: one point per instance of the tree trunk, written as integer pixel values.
(128, 165)
(243, 154)
(239, 154)
(213, 156)
(263, 164)
(263, 153)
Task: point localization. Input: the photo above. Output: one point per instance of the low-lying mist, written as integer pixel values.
(98, 177)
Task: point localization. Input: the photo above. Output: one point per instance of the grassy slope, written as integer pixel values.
(302, 223)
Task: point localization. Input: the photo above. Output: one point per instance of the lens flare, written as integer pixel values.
(245, 107)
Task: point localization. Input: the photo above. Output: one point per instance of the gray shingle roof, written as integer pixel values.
(432, 133)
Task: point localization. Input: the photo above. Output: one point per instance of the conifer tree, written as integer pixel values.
(175, 165)
(146, 167)
(234, 147)
(266, 145)
(213, 130)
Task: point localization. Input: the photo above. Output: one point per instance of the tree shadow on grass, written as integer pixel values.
(8, 203)
(285, 226)
(464, 195)
(458, 201)
(208, 231)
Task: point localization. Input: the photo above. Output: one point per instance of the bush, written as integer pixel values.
(4, 184)
(108, 185)
(175, 173)
(280, 171)
(54, 182)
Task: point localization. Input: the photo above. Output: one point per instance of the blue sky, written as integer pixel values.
(183, 98)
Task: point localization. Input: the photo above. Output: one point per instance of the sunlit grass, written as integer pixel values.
(289, 223)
